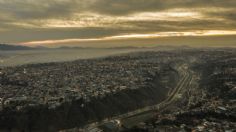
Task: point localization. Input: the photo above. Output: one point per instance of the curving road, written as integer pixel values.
(133, 118)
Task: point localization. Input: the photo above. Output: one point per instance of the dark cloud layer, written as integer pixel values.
(56, 8)
(35, 20)
(121, 7)
(33, 9)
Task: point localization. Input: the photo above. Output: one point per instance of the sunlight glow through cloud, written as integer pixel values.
(136, 36)
(97, 20)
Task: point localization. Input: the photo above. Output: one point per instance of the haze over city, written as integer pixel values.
(114, 23)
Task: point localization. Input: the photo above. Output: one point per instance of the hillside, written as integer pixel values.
(14, 47)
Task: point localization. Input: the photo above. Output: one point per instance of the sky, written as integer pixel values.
(112, 23)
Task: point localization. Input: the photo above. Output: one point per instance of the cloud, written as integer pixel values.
(38, 20)
(32, 9)
(123, 7)
(130, 36)
(229, 15)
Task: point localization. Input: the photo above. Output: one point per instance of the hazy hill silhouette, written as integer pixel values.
(14, 47)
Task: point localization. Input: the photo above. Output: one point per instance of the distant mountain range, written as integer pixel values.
(19, 47)
(8, 47)
(14, 47)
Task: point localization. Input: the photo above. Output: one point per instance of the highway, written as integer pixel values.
(132, 118)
